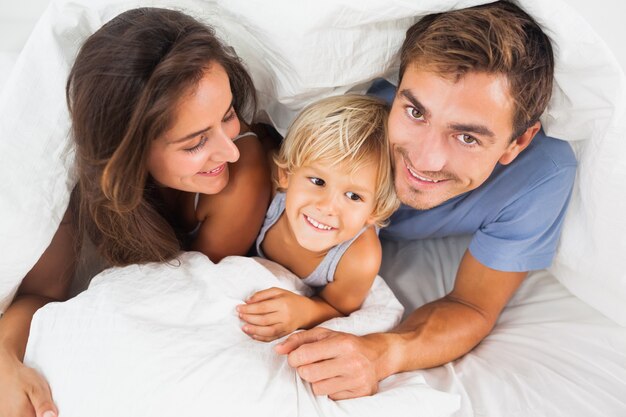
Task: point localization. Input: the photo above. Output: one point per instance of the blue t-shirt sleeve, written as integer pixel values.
(525, 234)
(382, 89)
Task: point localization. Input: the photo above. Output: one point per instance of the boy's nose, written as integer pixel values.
(327, 204)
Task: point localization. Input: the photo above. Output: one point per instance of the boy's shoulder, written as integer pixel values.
(363, 256)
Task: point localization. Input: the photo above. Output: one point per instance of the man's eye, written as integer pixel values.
(467, 139)
(353, 196)
(414, 113)
(317, 181)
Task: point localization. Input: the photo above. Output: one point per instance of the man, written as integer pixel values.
(469, 158)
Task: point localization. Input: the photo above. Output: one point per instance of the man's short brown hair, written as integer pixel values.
(496, 38)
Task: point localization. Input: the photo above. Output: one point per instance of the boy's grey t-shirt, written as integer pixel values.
(515, 217)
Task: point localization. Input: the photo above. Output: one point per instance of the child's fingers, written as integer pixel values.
(265, 295)
(261, 331)
(262, 307)
(264, 338)
(261, 319)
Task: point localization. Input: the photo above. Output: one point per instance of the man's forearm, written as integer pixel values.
(432, 335)
(15, 324)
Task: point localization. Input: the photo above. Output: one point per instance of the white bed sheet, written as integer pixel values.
(150, 334)
(550, 354)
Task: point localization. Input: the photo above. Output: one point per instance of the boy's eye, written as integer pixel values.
(317, 181)
(353, 196)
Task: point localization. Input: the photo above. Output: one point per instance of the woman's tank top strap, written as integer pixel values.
(245, 134)
(195, 201)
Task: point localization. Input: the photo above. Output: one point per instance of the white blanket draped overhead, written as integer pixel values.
(549, 354)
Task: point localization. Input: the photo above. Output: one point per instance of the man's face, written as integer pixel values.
(446, 136)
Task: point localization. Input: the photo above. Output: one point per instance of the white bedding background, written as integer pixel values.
(550, 354)
(297, 54)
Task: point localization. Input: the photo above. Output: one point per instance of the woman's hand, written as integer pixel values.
(23, 391)
(273, 313)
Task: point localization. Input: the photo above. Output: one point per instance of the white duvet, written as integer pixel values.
(164, 340)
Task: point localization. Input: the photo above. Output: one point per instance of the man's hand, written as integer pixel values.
(336, 364)
(273, 313)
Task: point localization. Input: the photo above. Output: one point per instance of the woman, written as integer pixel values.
(155, 100)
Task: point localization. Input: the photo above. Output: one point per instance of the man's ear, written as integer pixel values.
(519, 144)
(283, 178)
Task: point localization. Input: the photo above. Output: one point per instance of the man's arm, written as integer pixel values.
(448, 328)
(345, 366)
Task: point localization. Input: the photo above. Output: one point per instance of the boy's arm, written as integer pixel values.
(355, 274)
(345, 366)
(275, 312)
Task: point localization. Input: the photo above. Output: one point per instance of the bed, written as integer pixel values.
(559, 348)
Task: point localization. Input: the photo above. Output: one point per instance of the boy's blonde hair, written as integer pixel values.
(344, 129)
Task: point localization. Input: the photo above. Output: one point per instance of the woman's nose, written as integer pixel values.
(224, 149)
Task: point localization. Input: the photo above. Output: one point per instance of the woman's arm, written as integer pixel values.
(23, 391)
(234, 216)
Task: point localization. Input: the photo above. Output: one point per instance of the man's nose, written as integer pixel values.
(430, 153)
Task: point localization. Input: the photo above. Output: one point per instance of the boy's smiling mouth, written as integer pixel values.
(316, 224)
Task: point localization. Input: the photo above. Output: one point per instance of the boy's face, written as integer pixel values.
(327, 205)
(447, 137)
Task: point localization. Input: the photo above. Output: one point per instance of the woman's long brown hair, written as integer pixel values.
(122, 92)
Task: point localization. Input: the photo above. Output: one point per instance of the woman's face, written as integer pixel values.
(193, 154)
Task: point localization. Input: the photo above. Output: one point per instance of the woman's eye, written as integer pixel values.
(230, 116)
(414, 113)
(353, 196)
(467, 139)
(197, 147)
(317, 181)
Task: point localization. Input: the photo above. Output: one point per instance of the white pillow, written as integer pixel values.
(298, 52)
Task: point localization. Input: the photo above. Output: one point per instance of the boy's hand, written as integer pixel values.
(273, 313)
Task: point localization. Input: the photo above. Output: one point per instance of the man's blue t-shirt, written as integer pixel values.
(515, 216)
